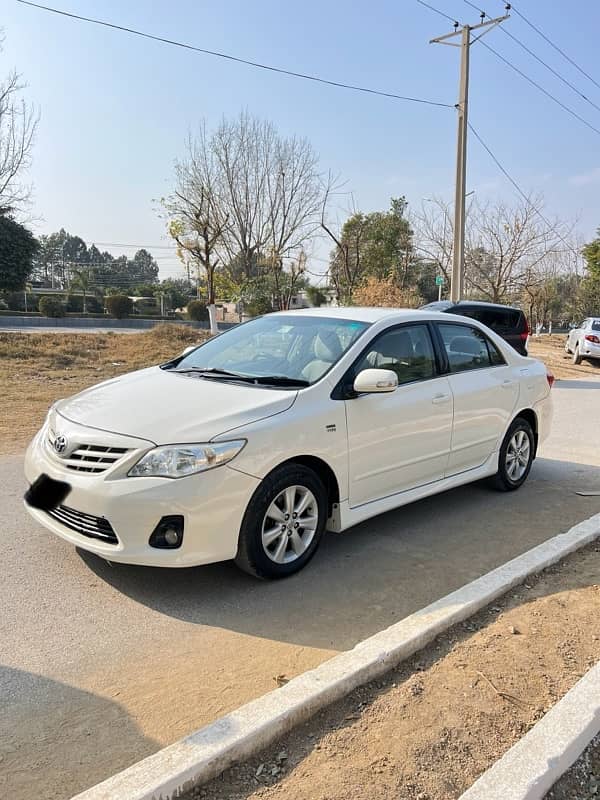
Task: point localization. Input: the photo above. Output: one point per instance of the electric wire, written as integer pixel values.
(237, 59)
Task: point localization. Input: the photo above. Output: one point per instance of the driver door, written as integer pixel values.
(400, 440)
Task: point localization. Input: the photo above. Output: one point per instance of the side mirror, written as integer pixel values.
(369, 381)
(188, 349)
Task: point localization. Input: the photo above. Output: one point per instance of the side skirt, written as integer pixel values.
(344, 517)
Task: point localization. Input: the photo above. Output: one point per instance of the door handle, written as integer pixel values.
(507, 384)
(438, 399)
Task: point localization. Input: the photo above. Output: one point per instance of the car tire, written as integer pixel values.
(568, 350)
(272, 542)
(577, 357)
(516, 456)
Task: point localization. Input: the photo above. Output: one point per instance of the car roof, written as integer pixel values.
(362, 314)
(477, 303)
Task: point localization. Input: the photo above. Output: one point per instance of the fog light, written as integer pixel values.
(168, 534)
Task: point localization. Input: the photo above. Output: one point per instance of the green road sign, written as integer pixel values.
(439, 280)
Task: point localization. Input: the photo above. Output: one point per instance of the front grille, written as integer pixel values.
(85, 524)
(92, 458)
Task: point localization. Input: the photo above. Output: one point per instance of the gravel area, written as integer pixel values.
(582, 781)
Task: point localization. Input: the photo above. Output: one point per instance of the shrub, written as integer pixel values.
(118, 305)
(197, 311)
(75, 304)
(51, 306)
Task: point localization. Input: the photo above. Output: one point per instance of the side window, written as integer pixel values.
(407, 351)
(468, 348)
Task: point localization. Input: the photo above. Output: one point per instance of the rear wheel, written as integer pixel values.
(283, 524)
(567, 348)
(577, 357)
(516, 456)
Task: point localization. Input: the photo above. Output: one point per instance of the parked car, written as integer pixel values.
(254, 443)
(584, 340)
(508, 322)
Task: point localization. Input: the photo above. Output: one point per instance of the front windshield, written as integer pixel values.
(298, 348)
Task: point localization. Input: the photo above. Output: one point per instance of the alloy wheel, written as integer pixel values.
(290, 524)
(518, 453)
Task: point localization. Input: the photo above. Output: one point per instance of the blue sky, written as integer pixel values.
(115, 109)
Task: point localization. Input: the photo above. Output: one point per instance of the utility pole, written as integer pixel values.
(458, 250)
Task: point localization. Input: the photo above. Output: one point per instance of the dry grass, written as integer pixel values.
(38, 368)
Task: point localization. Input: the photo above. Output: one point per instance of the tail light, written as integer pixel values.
(550, 378)
(525, 334)
(591, 338)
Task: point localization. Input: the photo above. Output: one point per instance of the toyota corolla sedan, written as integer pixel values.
(253, 444)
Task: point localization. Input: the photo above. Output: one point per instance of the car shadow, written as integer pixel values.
(57, 740)
(377, 572)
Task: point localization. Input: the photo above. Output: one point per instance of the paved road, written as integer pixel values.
(101, 665)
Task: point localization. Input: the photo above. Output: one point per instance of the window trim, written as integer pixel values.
(343, 391)
(444, 353)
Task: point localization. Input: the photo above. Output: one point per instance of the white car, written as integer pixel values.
(584, 341)
(256, 442)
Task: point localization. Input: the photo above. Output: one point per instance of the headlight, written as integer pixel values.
(179, 460)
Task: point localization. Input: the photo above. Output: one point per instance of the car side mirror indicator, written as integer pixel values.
(370, 381)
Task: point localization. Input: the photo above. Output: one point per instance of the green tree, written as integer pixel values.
(51, 306)
(17, 249)
(316, 296)
(197, 311)
(119, 305)
(588, 297)
(82, 279)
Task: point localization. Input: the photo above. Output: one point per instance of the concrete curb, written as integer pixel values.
(234, 737)
(530, 768)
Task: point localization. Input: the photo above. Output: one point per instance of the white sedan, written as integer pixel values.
(254, 443)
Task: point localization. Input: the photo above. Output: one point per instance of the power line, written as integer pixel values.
(555, 46)
(437, 11)
(538, 86)
(237, 59)
(509, 177)
(537, 58)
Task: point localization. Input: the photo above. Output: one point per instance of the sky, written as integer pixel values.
(116, 109)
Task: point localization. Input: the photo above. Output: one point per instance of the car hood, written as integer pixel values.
(169, 408)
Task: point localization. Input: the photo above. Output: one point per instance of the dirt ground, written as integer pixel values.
(582, 781)
(441, 719)
(38, 368)
(551, 350)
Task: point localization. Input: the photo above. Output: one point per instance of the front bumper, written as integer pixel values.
(212, 504)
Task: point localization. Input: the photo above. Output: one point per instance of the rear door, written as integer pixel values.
(485, 391)
(400, 440)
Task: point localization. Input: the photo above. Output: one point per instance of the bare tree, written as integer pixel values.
(434, 234)
(507, 247)
(18, 124)
(345, 270)
(197, 221)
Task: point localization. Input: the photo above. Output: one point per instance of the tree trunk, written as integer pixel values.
(212, 316)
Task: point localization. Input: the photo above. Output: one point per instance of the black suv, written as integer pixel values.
(508, 322)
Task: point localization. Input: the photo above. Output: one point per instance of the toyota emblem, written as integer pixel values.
(60, 444)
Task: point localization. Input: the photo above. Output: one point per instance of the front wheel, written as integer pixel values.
(516, 456)
(283, 524)
(576, 356)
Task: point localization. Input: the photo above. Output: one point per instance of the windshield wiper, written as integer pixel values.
(220, 373)
(273, 380)
(281, 380)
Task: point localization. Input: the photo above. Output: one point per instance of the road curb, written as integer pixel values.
(207, 752)
(533, 765)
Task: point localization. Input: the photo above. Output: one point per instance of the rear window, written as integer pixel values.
(596, 325)
(501, 320)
